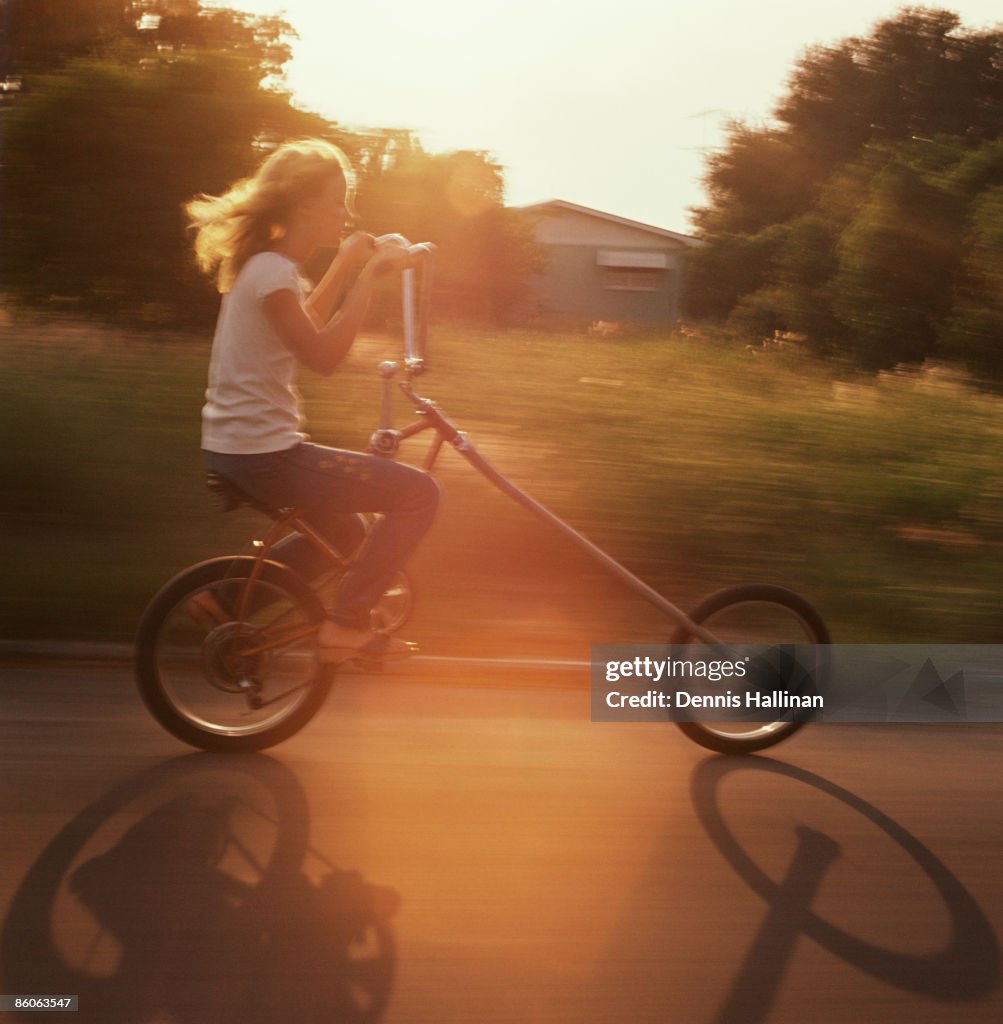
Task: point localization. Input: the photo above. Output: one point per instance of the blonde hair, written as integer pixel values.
(250, 215)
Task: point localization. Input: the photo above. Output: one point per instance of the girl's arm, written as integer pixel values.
(326, 297)
(323, 348)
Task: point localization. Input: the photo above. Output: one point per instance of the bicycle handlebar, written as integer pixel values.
(416, 250)
(420, 249)
(416, 292)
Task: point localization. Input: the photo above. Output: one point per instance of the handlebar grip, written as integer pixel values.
(414, 249)
(421, 249)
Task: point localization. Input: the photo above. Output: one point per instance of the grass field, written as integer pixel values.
(698, 463)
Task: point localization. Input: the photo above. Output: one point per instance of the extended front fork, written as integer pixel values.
(386, 442)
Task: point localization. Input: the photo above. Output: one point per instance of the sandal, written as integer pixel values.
(378, 648)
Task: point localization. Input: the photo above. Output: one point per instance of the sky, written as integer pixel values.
(612, 104)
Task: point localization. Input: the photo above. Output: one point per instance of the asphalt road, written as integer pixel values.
(475, 850)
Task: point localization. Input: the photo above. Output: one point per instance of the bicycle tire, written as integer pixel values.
(198, 683)
(717, 613)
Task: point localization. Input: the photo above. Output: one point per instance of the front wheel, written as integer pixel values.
(221, 678)
(751, 614)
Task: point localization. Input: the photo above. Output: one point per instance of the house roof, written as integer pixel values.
(563, 204)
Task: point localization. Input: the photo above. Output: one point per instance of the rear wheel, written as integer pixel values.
(752, 614)
(220, 682)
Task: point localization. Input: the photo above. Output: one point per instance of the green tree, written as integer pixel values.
(136, 107)
(974, 330)
(892, 284)
(99, 158)
(44, 35)
(761, 177)
(846, 220)
(917, 74)
(186, 25)
(895, 262)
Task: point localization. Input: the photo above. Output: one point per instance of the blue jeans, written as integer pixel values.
(330, 487)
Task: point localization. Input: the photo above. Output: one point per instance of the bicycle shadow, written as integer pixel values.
(966, 968)
(190, 893)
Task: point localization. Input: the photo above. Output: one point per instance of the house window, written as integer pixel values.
(633, 279)
(632, 270)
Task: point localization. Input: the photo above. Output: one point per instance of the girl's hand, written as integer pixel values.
(391, 254)
(357, 249)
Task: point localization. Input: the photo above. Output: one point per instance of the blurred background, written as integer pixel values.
(821, 408)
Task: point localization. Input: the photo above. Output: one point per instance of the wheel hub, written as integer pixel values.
(226, 666)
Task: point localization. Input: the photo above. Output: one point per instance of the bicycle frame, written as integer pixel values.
(447, 432)
(385, 442)
(264, 606)
(416, 295)
(287, 519)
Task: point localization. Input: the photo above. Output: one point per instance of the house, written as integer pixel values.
(600, 267)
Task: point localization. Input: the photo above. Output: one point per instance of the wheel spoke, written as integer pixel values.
(232, 684)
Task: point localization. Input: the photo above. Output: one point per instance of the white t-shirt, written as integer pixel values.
(252, 405)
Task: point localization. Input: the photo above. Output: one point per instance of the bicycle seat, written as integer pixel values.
(227, 496)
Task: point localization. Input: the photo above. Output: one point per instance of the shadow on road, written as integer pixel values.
(966, 968)
(190, 893)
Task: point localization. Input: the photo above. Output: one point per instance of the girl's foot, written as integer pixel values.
(339, 644)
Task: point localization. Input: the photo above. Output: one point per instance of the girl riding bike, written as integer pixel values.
(253, 240)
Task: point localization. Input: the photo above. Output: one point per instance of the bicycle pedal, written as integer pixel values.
(374, 656)
(375, 665)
